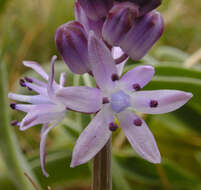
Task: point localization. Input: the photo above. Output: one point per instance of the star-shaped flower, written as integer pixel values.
(50, 105)
(120, 99)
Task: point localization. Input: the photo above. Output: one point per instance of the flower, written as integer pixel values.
(50, 105)
(120, 97)
(135, 36)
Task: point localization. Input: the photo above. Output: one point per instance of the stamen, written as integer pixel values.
(136, 87)
(29, 88)
(28, 79)
(137, 122)
(22, 83)
(105, 100)
(153, 103)
(14, 123)
(115, 77)
(113, 127)
(13, 106)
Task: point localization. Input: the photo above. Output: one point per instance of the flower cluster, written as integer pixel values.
(105, 34)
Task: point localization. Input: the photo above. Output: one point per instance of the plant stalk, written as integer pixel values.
(102, 179)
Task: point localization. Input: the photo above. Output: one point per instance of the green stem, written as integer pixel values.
(102, 179)
(9, 147)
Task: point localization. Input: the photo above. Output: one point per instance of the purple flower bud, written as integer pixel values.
(145, 6)
(119, 21)
(88, 24)
(72, 44)
(96, 9)
(142, 36)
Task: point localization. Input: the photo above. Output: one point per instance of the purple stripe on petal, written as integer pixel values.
(140, 75)
(93, 138)
(36, 67)
(143, 35)
(139, 136)
(159, 101)
(81, 99)
(101, 61)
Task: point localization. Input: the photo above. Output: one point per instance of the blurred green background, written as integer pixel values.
(27, 33)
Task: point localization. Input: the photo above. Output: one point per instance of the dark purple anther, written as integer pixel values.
(14, 123)
(113, 127)
(136, 87)
(30, 89)
(106, 100)
(96, 9)
(118, 22)
(153, 103)
(13, 106)
(28, 79)
(137, 122)
(22, 83)
(72, 44)
(115, 77)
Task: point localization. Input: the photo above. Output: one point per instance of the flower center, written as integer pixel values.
(119, 101)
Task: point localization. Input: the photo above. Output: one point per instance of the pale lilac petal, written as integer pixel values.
(36, 99)
(44, 132)
(42, 114)
(36, 88)
(165, 101)
(93, 138)
(117, 53)
(140, 75)
(36, 81)
(42, 150)
(102, 64)
(140, 137)
(24, 107)
(36, 67)
(81, 99)
(51, 78)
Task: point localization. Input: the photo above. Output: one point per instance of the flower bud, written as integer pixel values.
(145, 6)
(72, 44)
(88, 23)
(118, 22)
(142, 36)
(96, 9)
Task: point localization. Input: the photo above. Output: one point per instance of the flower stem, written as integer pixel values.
(10, 150)
(102, 179)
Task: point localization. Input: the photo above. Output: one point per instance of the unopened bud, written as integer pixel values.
(119, 21)
(72, 44)
(142, 36)
(145, 6)
(96, 9)
(88, 24)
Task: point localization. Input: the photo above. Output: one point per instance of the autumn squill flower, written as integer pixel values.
(50, 105)
(121, 98)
